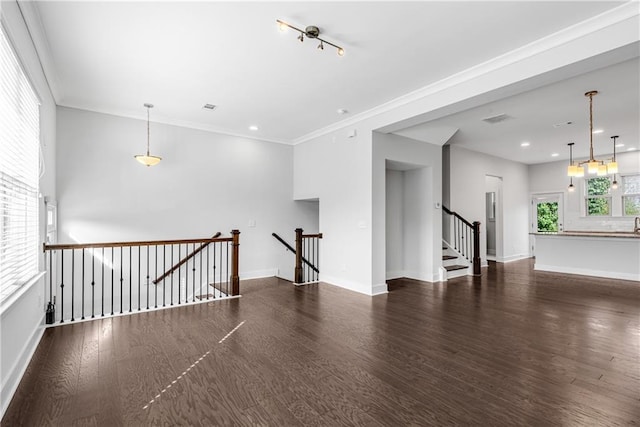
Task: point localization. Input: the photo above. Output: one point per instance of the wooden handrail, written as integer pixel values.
(188, 257)
(288, 246)
(318, 235)
(46, 247)
(444, 208)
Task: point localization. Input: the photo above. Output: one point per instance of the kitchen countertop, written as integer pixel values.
(618, 234)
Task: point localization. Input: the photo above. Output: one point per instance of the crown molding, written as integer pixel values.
(589, 26)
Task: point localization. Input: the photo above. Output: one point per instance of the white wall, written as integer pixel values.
(336, 169)
(22, 316)
(552, 178)
(422, 221)
(394, 230)
(205, 183)
(467, 193)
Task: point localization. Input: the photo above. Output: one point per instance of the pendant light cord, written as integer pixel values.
(148, 132)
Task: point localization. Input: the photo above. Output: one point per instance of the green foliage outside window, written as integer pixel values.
(548, 216)
(631, 198)
(600, 186)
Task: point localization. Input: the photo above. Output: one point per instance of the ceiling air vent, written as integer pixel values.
(497, 119)
(209, 106)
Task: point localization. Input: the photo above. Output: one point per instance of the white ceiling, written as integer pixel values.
(112, 57)
(616, 111)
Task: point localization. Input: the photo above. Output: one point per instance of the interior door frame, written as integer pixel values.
(533, 213)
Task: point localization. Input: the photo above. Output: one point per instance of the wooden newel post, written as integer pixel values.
(297, 274)
(476, 248)
(235, 256)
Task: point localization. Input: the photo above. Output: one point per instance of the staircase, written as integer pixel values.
(460, 246)
(454, 264)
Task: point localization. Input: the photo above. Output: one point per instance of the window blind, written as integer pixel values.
(19, 173)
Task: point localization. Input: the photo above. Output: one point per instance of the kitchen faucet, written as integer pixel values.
(636, 227)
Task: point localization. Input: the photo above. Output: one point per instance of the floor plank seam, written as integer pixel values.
(193, 365)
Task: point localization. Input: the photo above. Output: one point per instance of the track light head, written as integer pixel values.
(340, 51)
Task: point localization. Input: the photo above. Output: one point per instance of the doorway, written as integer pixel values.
(493, 219)
(546, 215)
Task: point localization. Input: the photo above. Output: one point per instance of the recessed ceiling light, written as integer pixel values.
(342, 111)
(554, 154)
(209, 106)
(597, 131)
(525, 144)
(619, 145)
(253, 127)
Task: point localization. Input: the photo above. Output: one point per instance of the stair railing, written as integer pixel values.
(307, 252)
(464, 237)
(185, 259)
(89, 280)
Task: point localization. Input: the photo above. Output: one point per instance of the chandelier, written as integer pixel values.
(148, 159)
(593, 165)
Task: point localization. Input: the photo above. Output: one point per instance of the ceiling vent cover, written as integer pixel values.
(497, 119)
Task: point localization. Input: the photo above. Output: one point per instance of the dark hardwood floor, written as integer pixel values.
(514, 347)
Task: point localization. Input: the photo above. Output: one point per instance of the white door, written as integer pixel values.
(546, 215)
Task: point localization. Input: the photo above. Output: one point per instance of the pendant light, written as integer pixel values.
(572, 170)
(148, 159)
(593, 165)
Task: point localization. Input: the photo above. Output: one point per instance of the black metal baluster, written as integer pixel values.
(102, 283)
(51, 277)
(139, 274)
(130, 279)
(201, 274)
(227, 267)
(62, 286)
(155, 288)
(172, 275)
(179, 273)
(208, 284)
(214, 269)
(73, 280)
(82, 305)
(93, 282)
(112, 272)
(147, 284)
(164, 268)
(313, 257)
(121, 280)
(193, 282)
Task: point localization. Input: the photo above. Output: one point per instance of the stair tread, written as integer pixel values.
(447, 257)
(454, 267)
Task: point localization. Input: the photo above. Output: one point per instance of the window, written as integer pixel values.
(598, 197)
(19, 170)
(631, 195)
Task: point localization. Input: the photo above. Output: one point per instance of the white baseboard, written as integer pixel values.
(587, 272)
(258, 274)
(511, 258)
(351, 286)
(397, 274)
(379, 289)
(10, 384)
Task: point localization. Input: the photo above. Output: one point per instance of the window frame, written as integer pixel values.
(23, 180)
(608, 197)
(623, 195)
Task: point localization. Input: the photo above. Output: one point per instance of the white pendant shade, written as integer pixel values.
(148, 160)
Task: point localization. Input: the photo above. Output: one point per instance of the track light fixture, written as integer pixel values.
(311, 32)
